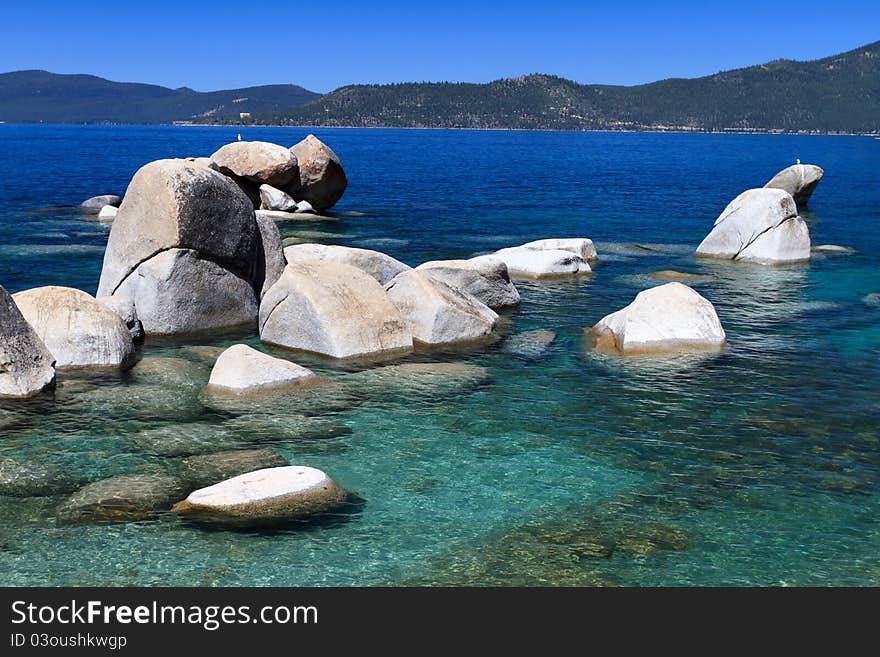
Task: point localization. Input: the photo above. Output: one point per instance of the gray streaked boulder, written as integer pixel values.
(380, 266)
(125, 308)
(265, 496)
(486, 279)
(122, 499)
(799, 180)
(175, 204)
(760, 226)
(242, 369)
(208, 469)
(331, 309)
(271, 263)
(177, 291)
(437, 314)
(272, 198)
(322, 177)
(27, 367)
(671, 317)
(95, 203)
(77, 330)
(260, 162)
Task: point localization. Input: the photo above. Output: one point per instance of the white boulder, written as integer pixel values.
(669, 317)
(242, 369)
(108, 213)
(760, 226)
(380, 266)
(799, 180)
(524, 262)
(580, 246)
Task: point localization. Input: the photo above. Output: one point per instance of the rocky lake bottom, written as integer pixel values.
(500, 464)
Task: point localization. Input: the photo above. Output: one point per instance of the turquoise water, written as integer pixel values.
(759, 465)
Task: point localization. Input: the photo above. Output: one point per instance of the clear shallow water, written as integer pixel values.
(756, 466)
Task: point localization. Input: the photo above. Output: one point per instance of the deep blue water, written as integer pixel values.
(756, 466)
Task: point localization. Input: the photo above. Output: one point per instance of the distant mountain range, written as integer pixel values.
(840, 93)
(40, 96)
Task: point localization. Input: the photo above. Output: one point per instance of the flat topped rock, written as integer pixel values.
(525, 262)
(268, 495)
(580, 246)
(669, 317)
(242, 369)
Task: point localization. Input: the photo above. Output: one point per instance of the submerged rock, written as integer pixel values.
(761, 226)
(673, 275)
(832, 248)
(418, 380)
(260, 162)
(279, 215)
(77, 330)
(241, 369)
(524, 262)
(184, 439)
(27, 367)
(380, 266)
(122, 499)
(30, 479)
(284, 427)
(530, 344)
(331, 309)
(486, 279)
(670, 317)
(265, 496)
(209, 469)
(872, 299)
(322, 177)
(96, 203)
(437, 314)
(799, 180)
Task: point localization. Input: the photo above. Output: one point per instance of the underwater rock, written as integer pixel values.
(122, 499)
(96, 203)
(380, 266)
(437, 314)
(265, 496)
(260, 162)
(486, 279)
(321, 176)
(30, 479)
(318, 396)
(77, 330)
(523, 262)
(669, 317)
(242, 369)
(799, 180)
(872, 299)
(425, 380)
(760, 226)
(673, 275)
(284, 427)
(26, 366)
(832, 248)
(331, 309)
(530, 344)
(184, 439)
(209, 469)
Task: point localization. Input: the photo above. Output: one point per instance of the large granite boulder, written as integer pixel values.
(580, 246)
(267, 496)
(122, 499)
(438, 314)
(375, 263)
(186, 248)
(242, 369)
(26, 366)
(272, 264)
(332, 309)
(209, 469)
(94, 204)
(259, 162)
(321, 175)
(77, 330)
(486, 279)
(671, 317)
(761, 226)
(177, 291)
(799, 180)
(272, 198)
(523, 262)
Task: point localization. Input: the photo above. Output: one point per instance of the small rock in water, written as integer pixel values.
(242, 369)
(278, 215)
(272, 198)
(264, 497)
(872, 299)
(96, 203)
(30, 479)
(122, 499)
(531, 344)
(108, 213)
(209, 469)
(832, 248)
(523, 262)
(580, 246)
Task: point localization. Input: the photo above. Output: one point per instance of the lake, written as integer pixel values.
(756, 466)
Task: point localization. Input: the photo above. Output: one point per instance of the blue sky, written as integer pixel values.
(323, 44)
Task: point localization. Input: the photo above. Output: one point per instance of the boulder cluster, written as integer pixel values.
(194, 247)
